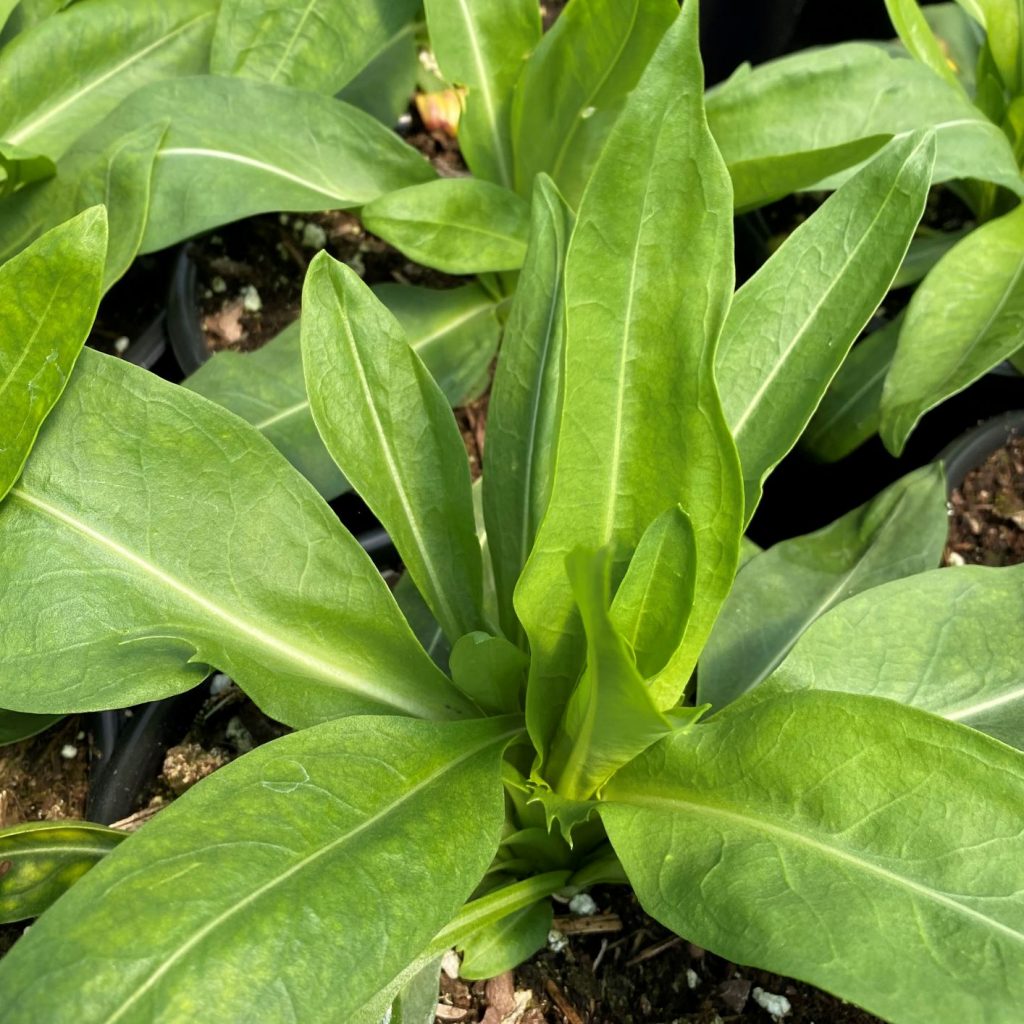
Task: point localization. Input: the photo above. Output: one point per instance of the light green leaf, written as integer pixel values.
(648, 283)
(41, 860)
(950, 641)
(240, 565)
(653, 602)
(522, 417)
(506, 943)
(6, 6)
(1004, 22)
(965, 317)
(389, 428)
(574, 84)
(786, 120)
(263, 870)
(780, 593)
(29, 13)
(257, 148)
(849, 411)
(482, 45)
(867, 848)
(65, 75)
(916, 35)
(119, 179)
(384, 87)
(48, 300)
(417, 1002)
(458, 225)
(926, 249)
(792, 324)
(22, 167)
(319, 45)
(490, 670)
(16, 726)
(959, 38)
(454, 331)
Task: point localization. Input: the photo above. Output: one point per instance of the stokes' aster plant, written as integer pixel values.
(852, 840)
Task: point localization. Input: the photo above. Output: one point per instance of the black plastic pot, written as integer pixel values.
(971, 449)
(183, 328)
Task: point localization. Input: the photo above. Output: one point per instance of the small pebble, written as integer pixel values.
(238, 736)
(216, 240)
(314, 236)
(451, 964)
(955, 558)
(251, 301)
(121, 345)
(583, 904)
(692, 978)
(80, 735)
(219, 285)
(283, 218)
(298, 224)
(69, 752)
(405, 120)
(776, 1006)
(219, 683)
(556, 941)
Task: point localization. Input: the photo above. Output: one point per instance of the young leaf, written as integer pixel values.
(16, 726)
(263, 866)
(389, 429)
(314, 45)
(507, 943)
(490, 670)
(781, 592)
(151, 592)
(257, 148)
(482, 45)
(916, 35)
(868, 848)
(574, 84)
(454, 331)
(104, 51)
(458, 225)
(964, 318)
(522, 417)
(21, 167)
(41, 860)
(948, 641)
(1004, 22)
(792, 324)
(48, 300)
(417, 1002)
(648, 282)
(790, 124)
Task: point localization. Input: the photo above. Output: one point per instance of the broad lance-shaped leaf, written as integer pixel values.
(64, 76)
(965, 317)
(793, 123)
(1003, 21)
(257, 148)
(778, 594)
(648, 280)
(119, 179)
(916, 35)
(389, 428)
(15, 725)
(41, 860)
(482, 45)
(316, 44)
(506, 943)
(453, 330)
(48, 300)
(336, 839)
(522, 417)
(871, 849)
(180, 539)
(610, 716)
(458, 225)
(792, 323)
(950, 641)
(574, 84)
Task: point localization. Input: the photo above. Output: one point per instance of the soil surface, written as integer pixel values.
(986, 520)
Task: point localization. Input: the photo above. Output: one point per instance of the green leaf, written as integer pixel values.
(655, 598)
(389, 428)
(849, 411)
(6, 6)
(264, 871)
(482, 45)
(490, 670)
(780, 593)
(29, 13)
(417, 1002)
(257, 148)
(788, 120)
(926, 249)
(522, 417)
(792, 324)
(41, 860)
(948, 641)
(965, 317)
(574, 84)
(21, 167)
(454, 331)
(119, 179)
(916, 35)
(458, 225)
(610, 716)
(384, 86)
(310, 44)
(506, 943)
(1004, 22)
(240, 565)
(15, 726)
(864, 847)
(64, 76)
(48, 300)
(648, 282)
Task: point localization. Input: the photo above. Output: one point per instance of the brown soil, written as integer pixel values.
(986, 523)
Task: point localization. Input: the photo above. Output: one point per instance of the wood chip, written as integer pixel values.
(568, 1011)
(445, 1012)
(593, 924)
(652, 951)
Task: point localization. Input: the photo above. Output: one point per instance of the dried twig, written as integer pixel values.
(567, 1009)
(655, 950)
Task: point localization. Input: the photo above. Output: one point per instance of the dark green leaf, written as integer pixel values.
(507, 943)
(16, 726)
(22, 167)
(384, 86)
